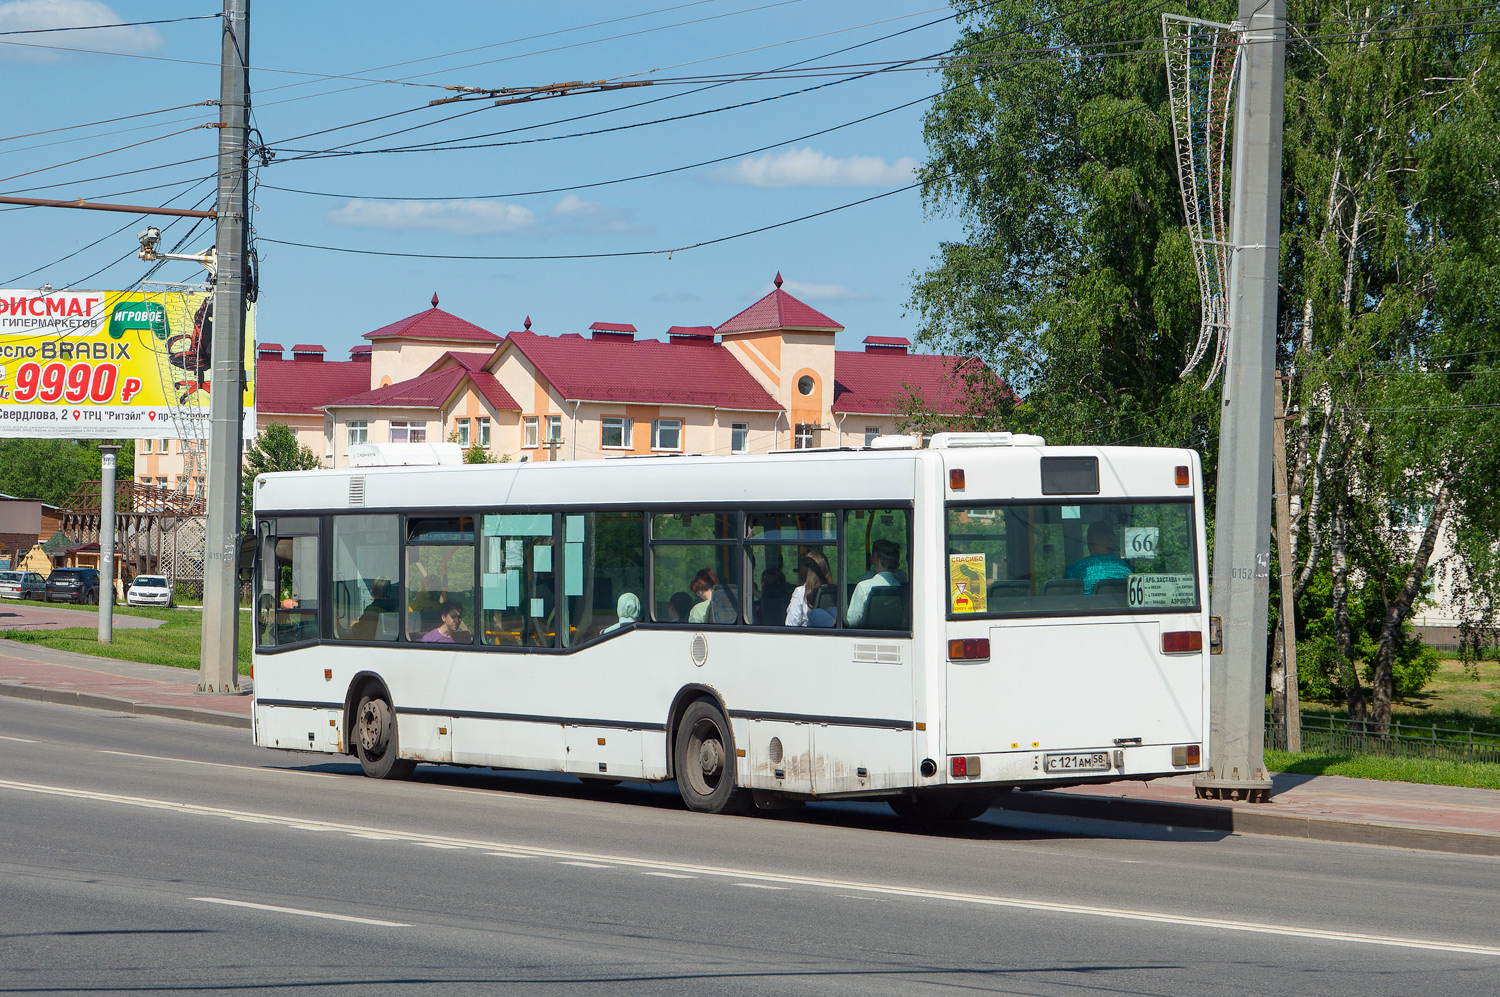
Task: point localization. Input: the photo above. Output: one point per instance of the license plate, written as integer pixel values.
(1094, 761)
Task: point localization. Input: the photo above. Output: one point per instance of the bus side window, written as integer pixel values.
(287, 600)
(878, 545)
(366, 567)
(439, 577)
(518, 581)
(604, 574)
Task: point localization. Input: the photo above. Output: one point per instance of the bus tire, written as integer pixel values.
(376, 739)
(972, 807)
(705, 760)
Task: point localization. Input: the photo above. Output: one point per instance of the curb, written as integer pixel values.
(1233, 821)
(97, 702)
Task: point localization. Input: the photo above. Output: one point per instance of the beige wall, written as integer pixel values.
(21, 517)
(393, 361)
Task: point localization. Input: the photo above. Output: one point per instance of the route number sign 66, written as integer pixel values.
(1140, 543)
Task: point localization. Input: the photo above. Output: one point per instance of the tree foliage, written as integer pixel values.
(52, 470)
(1075, 279)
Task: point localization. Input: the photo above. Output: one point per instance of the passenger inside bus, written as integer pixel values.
(450, 630)
(775, 596)
(883, 574)
(810, 605)
(628, 610)
(702, 587)
(680, 607)
(378, 621)
(1104, 559)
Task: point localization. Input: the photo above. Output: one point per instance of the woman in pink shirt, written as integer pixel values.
(453, 618)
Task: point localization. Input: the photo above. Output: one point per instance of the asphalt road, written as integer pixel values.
(140, 855)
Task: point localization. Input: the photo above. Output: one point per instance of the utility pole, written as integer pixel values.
(107, 542)
(1242, 526)
(218, 664)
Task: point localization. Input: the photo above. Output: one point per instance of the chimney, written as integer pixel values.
(307, 353)
(691, 335)
(268, 351)
(889, 345)
(619, 332)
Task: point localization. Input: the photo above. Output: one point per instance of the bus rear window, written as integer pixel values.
(1084, 558)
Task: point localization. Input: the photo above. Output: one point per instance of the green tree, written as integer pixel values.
(275, 449)
(52, 470)
(1075, 279)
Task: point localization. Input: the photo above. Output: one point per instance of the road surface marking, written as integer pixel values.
(669, 875)
(23, 740)
(760, 886)
(510, 855)
(439, 844)
(221, 765)
(786, 879)
(587, 865)
(302, 913)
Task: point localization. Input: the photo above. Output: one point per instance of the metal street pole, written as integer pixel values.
(1242, 524)
(218, 664)
(107, 542)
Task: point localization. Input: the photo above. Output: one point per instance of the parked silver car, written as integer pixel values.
(149, 590)
(22, 585)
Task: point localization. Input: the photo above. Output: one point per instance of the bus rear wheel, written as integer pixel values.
(705, 760)
(376, 740)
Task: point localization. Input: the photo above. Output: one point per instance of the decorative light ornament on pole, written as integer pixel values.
(219, 659)
(1247, 343)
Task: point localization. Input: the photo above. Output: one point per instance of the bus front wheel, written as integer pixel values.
(377, 741)
(705, 760)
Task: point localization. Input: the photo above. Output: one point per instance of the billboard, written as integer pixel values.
(106, 364)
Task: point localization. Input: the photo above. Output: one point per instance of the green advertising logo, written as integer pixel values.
(143, 316)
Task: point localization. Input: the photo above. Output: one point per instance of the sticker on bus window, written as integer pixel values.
(1141, 542)
(1160, 590)
(966, 589)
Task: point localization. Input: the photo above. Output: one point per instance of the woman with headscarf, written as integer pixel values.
(628, 610)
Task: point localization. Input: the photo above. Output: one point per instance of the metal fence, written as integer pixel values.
(1333, 736)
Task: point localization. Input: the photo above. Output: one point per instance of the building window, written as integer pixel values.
(462, 426)
(870, 433)
(739, 437)
(359, 432)
(805, 384)
(161, 482)
(419, 432)
(554, 429)
(618, 433)
(400, 432)
(666, 434)
(484, 431)
(805, 436)
(528, 431)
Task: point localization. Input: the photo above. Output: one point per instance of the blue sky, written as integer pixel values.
(856, 265)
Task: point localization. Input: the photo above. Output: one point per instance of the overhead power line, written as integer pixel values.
(125, 24)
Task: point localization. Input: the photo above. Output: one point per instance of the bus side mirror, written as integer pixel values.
(249, 547)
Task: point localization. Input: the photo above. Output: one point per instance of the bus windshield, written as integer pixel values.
(1084, 558)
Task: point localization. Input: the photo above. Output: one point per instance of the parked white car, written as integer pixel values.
(149, 590)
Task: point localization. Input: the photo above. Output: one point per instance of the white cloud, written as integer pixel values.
(472, 218)
(32, 15)
(816, 292)
(593, 218)
(807, 167)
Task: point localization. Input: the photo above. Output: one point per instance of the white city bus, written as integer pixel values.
(990, 613)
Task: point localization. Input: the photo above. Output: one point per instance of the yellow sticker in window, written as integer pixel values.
(966, 588)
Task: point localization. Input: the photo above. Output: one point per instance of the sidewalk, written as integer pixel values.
(1324, 808)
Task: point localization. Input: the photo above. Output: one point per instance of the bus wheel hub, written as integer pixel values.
(711, 757)
(372, 725)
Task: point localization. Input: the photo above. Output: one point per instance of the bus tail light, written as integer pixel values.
(965, 766)
(956, 479)
(1181, 641)
(1187, 754)
(969, 649)
(1182, 475)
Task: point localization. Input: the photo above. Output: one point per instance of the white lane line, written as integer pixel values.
(22, 740)
(791, 879)
(510, 855)
(588, 865)
(438, 844)
(760, 886)
(302, 913)
(669, 875)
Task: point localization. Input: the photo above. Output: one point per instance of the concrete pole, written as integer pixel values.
(1242, 525)
(107, 542)
(218, 663)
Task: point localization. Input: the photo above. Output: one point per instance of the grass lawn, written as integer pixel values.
(1457, 697)
(176, 642)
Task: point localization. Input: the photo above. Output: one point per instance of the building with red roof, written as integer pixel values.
(767, 378)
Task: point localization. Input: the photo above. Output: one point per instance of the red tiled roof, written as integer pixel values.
(612, 327)
(886, 341)
(287, 387)
(646, 372)
(876, 382)
(778, 310)
(434, 387)
(434, 323)
(269, 348)
(691, 330)
(308, 348)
